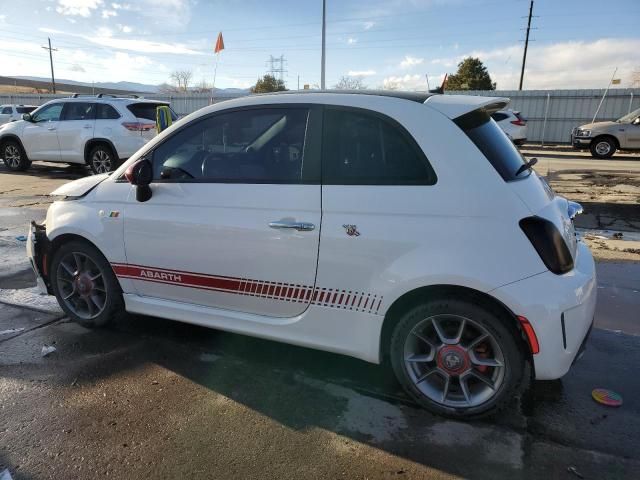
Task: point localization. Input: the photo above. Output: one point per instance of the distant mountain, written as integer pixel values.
(123, 86)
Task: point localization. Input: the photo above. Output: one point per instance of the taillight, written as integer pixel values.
(138, 126)
(532, 339)
(519, 123)
(548, 242)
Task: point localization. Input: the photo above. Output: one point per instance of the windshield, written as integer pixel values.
(629, 116)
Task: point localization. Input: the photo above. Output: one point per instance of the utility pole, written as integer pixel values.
(324, 31)
(53, 80)
(526, 45)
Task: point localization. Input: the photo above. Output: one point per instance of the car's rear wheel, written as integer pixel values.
(14, 157)
(603, 147)
(85, 285)
(102, 159)
(457, 358)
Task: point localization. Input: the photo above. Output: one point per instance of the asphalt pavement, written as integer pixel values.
(152, 398)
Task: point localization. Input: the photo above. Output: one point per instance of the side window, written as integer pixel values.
(364, 148)
(263, 145)
(50, 113)
(6, 111)
(79, 111)
(106, 112)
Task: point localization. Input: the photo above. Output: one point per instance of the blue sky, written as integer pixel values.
(384, 42)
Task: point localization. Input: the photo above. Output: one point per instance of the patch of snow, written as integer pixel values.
(14, 255)
(30, 297)
(608, 234)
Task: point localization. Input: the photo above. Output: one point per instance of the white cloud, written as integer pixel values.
(410, 62)
(361, 73)
(121, 6)
(405, 82)
(124, 28)
(77, 7)
(109, 13)
(560, 65)
(104, 37)
(2, 18)
(368, 25)
(77, 68)
(352, 40)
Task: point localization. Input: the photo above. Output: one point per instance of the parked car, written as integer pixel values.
(11, 113)
(513, 123)
(100, 131)
(604, 138)
(356, 223)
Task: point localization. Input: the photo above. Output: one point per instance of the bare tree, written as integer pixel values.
(635, 78)
(350, 83)
(203, 86)
(182, 79)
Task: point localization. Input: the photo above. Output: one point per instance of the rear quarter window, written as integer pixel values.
(361, 147)
(485, 133)
(148, 110)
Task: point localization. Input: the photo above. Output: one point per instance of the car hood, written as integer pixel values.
(79, 187)
(598, 126)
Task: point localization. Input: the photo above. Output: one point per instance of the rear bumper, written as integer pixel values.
(560, 309)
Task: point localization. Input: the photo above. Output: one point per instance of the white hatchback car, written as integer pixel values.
(99, 131)
(376, 225)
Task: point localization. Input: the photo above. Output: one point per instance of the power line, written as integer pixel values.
(277, 69)
(53, 80)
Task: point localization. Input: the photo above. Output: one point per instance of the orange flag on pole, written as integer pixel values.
(219, 43)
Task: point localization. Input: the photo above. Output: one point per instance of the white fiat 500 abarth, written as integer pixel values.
(380, 225)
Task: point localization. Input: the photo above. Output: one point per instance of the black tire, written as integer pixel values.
(113, 304)
(102, 159)
(603, 147)
(14, 156)
(513, 374)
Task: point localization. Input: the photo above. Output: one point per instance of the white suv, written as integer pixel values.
(11, 113)
(375, 225)
(99, 131)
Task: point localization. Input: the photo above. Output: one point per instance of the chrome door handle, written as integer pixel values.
(87, 126)
(51, 128)
(300, 226)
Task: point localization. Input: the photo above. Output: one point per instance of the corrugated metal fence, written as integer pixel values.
(551, 114)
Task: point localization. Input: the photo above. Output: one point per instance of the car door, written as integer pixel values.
(631, 135)
(234, 217)
(40, 135)
(75, 129)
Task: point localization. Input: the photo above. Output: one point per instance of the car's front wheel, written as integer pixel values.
(102, 159)
(457, 358)
(85, 285)
(603, 147)
(14, 157)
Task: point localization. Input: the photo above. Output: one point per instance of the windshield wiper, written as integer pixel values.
(527, 166)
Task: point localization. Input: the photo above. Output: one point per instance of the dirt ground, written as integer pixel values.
(611, 201)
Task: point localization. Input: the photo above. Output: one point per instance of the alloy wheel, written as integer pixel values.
(101, 161)
(454, 361)
(82, 286)
(12, 156)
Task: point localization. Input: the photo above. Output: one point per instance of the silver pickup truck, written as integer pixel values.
(604, 138)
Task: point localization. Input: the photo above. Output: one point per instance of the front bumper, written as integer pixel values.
(38, 254)
(580, 142)
(560, 309)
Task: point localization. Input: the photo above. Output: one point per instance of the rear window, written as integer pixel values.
(493, 143)
(25, 109)
(148, 110)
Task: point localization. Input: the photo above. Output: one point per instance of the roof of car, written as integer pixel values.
(106, 99)
(419, 97)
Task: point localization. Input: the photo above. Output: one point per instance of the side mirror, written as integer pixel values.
(27, 117)
(140, 174)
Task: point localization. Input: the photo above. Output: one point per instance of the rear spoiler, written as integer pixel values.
(454, 106)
